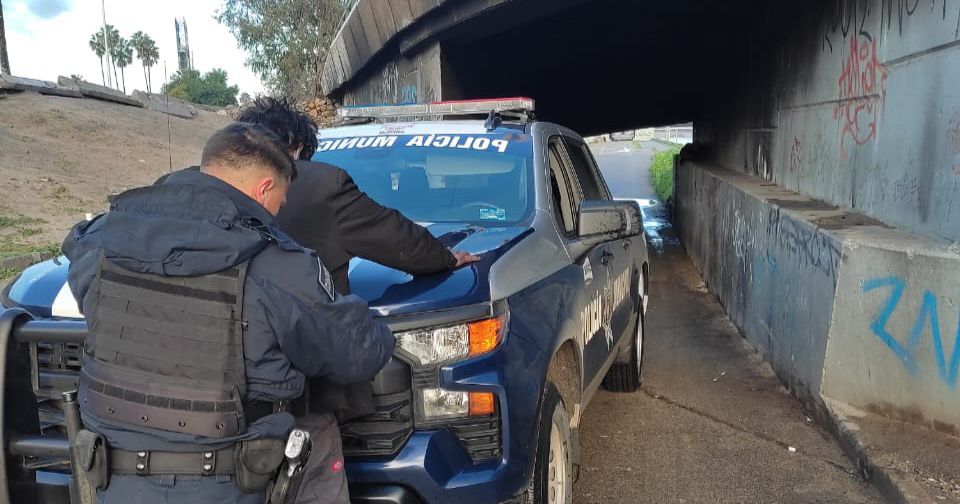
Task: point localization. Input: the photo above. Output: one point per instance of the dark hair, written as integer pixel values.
(286, 120)
(241, 145)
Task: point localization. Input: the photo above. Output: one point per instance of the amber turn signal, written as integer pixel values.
(481, 404)
(484, 335)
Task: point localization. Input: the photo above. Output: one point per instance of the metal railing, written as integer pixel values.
(28, 443)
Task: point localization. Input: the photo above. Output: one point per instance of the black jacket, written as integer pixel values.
(326, 211)
(194, 224)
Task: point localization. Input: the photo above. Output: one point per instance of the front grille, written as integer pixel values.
(385, 431)
(381, 433)
(59, 357)
(480, 436)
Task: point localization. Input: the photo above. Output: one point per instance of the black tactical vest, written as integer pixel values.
(166, 352)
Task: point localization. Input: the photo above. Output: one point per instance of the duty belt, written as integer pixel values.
(204, 463)
(147, 463)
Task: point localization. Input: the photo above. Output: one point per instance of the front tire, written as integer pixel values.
(553, 472)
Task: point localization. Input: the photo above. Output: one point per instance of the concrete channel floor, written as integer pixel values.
(711, 423)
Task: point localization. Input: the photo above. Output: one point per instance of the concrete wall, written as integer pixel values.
(841, 305)
(367, 30)
(415, 78)
(895, 340)
(854, 103)
(773, 272)
(851, 290)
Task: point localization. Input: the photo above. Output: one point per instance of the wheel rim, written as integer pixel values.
(557, 468)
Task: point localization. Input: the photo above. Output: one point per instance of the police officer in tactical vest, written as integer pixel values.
(327, 212)
(204, 320)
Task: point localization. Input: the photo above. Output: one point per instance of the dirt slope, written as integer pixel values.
(62, 157)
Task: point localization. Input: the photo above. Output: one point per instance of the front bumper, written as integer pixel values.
(383, 494)
(435, 466)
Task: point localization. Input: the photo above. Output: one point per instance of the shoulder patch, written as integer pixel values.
(325, 279)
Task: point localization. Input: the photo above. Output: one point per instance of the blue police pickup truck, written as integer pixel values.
(495, 362)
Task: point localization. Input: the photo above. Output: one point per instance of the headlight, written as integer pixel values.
(441, 345)
(440, 404)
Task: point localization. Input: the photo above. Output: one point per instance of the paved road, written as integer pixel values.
(712, 423)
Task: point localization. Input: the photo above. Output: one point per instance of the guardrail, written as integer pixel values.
(29, 444)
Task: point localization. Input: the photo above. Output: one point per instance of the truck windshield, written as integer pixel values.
(477, 178)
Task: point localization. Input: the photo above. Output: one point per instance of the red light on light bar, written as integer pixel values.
(513, 98)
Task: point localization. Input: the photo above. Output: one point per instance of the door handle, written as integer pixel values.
(626, 244)
(605, 257)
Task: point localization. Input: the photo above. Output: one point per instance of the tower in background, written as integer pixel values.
(184, 56)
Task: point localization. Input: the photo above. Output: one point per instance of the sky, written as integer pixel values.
(49, 38)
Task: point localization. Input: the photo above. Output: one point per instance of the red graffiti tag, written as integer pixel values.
(861, 92)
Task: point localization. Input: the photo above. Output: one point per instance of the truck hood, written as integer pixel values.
(393, 292)
(42, 290)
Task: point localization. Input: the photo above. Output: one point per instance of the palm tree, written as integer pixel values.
(137, 40)
(113, 36)
(148, 54)
(150, 58)
(96, 45)
(123, 55)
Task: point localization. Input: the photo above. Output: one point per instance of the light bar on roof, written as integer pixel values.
(459, 107)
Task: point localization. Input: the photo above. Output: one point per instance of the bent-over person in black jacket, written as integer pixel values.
(327, 212)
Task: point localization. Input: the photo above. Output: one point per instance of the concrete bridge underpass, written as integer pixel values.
(820, 202)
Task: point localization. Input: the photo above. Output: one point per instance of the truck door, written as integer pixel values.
(616, 264)
(588, 308)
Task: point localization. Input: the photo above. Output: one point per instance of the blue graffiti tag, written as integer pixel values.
(928, 312)
(408, 94)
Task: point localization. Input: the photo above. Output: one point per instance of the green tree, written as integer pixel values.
(286, 40)
(208, 89)
(147, 53)
(98, 47)
(123, 56)
(113, 38)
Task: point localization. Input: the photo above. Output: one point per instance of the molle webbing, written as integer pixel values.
(167, 352)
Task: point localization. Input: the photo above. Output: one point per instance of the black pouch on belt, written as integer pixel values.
(91, 454)
(257, 463)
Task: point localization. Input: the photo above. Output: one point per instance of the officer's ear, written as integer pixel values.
(263, 188)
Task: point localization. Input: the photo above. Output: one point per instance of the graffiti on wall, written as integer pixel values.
(861, 89)
(796, 155)
(850, 17)
(408, 94)
(900, 10)
(810, 247)
(927, 321)
(861, 83)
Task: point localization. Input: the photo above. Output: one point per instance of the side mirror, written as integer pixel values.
(602, 220)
